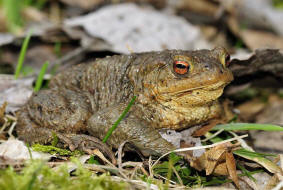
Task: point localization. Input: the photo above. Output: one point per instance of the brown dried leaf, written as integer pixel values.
(221, 169)
(258, 39)
(197, 163)
(213, 156)
(250, 109)
(214, 160)
(206, 128)
(231, 167)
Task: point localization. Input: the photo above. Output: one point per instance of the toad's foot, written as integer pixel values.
(86, 144)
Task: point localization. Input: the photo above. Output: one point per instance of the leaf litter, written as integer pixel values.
(131, 171)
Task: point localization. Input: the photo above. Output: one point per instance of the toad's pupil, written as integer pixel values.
(181, 66)
(227, 58)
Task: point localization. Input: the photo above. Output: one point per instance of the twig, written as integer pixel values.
(212, 136)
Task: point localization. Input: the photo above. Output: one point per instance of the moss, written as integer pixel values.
(54, 150)
(37, 175)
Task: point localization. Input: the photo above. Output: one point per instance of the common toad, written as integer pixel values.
(175, 89)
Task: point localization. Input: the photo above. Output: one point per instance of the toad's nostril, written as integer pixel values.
(207, 66)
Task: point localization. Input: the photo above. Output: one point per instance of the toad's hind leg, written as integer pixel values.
(61, 112)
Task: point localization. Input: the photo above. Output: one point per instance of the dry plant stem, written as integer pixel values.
(212, 136)
(100, 167)
(12, 129)
(164, 178)
(150, 169)
(136, 182)
(120, 154)
(178, 176)
(136, 165)
(134, 172)
(102, 157)
(4, 125)
(243, 143)
(199, 147)
(11, 117)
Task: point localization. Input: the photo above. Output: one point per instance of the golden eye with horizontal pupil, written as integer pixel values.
(181, 67)
(225, 59)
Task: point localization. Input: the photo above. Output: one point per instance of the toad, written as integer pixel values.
(174, 89)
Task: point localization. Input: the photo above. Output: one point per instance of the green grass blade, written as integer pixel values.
(22, 54)
(248, 126)
(245, 152)
(245, 172)
(39, 80)
(57, 49)
(114, 126)
(12, 10)
(34, 176)
(259, 158)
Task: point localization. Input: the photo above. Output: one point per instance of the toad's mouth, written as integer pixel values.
(209, 88)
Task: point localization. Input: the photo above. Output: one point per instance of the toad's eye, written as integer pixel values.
(225, 59)
(181, 67)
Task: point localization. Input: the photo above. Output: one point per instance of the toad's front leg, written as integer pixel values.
(132, 129)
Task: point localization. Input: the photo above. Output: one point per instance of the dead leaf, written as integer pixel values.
(142, 29)
(6, 38)
(221, 169)
(214, 156)
(231, 167)
(255, 39)
(272, 113)
(17, 150)
(250, 109)
(204, 129)
(219, 160)
(15, 92)
(183, 139)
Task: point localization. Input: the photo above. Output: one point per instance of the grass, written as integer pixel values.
(21, 59)
(22, 54)
(40, 77)
(248, 126)
(13, 9)
(114, 126)
(57, 49)
(278, 4)
(37, 175)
